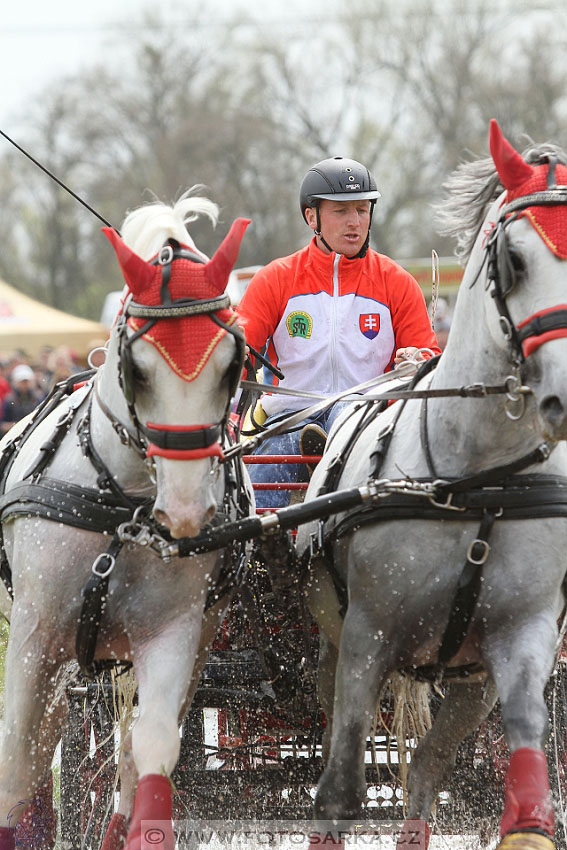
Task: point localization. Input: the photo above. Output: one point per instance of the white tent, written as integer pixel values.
(29, 325)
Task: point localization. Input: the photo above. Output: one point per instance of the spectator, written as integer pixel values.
(61, 365)
(23, 399)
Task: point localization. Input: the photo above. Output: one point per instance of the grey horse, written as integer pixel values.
(146, 434)
(459, 565)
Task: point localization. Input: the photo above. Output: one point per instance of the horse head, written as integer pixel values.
(522, 245)
(176, 355)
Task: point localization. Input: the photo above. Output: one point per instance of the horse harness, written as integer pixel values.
(108, 509)
(501, 493)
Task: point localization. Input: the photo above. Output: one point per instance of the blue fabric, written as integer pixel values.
(286, 444)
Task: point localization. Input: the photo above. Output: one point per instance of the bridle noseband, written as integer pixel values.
(178, 442)
(551, 323)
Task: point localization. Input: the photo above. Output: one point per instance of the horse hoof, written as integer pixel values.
(526, 841)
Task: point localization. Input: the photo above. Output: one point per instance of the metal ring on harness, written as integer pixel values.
(486, 550)
(104, 556)
(516, 394)
(165, 255)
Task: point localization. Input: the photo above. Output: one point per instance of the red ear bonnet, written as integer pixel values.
(186, 343)
(512, 169)
(520, 178)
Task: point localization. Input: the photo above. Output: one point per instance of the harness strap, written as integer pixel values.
(521, 497)
(468, 589)
(495, 476)
(95, 594)
(70, 504)
(178, 309)
(464, 602)
(62, 427)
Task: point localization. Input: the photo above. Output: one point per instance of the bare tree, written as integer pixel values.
(245, 108)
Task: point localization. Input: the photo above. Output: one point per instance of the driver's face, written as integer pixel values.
(344, 225)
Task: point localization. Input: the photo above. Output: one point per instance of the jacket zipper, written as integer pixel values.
(334, 313)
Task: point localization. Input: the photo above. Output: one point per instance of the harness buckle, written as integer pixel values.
(140, 534)
(484, 554)
(105, 557)
(447, 505)
(477, 390)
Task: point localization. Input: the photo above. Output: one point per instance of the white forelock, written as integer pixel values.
(147, 228)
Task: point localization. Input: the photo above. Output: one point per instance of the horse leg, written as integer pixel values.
(164, 668)
(24, 756)
(520, 671)
(326, 672)
(361, 673)
(464, 708)
(117, 830)
(325, 608)
(38, 825)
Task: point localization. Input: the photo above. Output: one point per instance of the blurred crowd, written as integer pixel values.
(24, 383)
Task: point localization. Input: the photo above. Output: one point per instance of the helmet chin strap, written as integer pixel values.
(365, 244)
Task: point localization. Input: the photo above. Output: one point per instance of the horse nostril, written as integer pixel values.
(161, 517)
(552, 410)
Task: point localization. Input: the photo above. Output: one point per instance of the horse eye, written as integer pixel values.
(517, 262)
(139, 377)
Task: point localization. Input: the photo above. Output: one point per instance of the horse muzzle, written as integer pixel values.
(184, 518)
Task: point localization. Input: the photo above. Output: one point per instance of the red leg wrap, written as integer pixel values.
(7, 838)
(528, 801)
(37, 827)
(115, 836)
(150, 825)
(415, 834)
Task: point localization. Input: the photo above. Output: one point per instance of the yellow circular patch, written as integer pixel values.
(526, 841)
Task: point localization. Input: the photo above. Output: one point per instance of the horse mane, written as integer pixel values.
(148, 227)
(470, 189)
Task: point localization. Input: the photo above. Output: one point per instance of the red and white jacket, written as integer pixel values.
(332, 322)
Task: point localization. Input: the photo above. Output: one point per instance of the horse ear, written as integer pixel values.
(138, 274)
(512, 169)
(219, 267)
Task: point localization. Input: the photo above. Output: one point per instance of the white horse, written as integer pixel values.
(135, 457)
(459, 565)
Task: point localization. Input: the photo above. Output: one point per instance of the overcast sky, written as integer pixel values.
(41, 40)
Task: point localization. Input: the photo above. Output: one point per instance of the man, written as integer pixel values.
(334, 314)
(23, 399)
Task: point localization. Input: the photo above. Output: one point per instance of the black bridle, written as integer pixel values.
(526, 336)
(182, 442)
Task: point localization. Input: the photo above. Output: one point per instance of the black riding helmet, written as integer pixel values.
(338, 179)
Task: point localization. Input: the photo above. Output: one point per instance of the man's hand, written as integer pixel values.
(409, 353)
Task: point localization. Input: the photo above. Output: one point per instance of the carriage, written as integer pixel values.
(130, 480)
